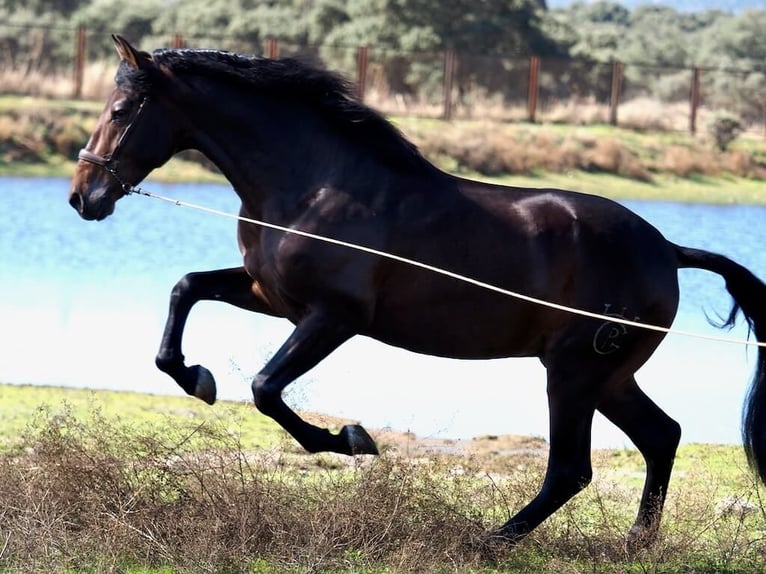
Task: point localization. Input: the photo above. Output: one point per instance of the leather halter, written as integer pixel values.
(110, 161)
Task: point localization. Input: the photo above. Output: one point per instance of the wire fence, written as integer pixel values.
(77, 63)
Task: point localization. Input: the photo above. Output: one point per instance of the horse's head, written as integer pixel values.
(133, 136)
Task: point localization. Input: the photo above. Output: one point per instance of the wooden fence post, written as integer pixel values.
(614, 99)
(79, 61)
(272, 48)
(533, 88)
(450, 62)
(694, 100)
(361, 72)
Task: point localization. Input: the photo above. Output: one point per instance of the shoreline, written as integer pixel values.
(45, 136)
(703, 190)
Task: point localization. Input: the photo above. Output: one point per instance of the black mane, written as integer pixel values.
(286, 78)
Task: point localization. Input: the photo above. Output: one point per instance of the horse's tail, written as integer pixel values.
(749, 294)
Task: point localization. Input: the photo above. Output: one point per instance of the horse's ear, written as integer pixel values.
(129, 54)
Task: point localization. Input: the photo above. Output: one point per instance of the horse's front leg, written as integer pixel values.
(314, 338)
(233, 286)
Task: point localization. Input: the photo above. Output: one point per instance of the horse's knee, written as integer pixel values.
(183, 286)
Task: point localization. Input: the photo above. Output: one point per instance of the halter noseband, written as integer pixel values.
(109, 162)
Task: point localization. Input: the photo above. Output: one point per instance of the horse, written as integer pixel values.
(302, 152)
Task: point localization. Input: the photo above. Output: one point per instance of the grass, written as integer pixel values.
(21, 405)
(96, 481)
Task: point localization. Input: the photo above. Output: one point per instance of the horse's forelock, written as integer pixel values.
(136, 81)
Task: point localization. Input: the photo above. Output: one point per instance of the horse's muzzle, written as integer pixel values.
(94, 209)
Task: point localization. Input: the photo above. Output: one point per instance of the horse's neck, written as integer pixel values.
(272, 158)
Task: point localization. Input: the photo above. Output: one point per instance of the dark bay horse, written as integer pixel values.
(303, 153)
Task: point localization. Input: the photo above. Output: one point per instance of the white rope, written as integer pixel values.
(483, 285)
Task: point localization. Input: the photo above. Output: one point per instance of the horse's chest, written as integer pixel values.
(297, 273)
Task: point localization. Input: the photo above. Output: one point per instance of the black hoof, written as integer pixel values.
(204, 383)
(358, 440)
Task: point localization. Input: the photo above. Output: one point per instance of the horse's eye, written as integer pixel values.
(120, 112)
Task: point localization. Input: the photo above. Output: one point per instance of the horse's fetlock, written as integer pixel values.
(168, 363)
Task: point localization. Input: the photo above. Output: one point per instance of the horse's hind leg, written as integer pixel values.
(656, 436)
(233, 286)
(315, 337)
(572, 405)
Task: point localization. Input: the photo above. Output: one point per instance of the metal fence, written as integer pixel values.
(66, 62)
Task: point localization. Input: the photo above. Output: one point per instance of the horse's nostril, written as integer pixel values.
(76, 201)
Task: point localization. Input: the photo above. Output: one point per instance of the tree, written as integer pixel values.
(39, 7)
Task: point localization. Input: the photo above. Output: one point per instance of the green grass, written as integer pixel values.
(25, 405)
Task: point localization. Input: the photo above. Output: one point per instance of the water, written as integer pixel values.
(83, 304)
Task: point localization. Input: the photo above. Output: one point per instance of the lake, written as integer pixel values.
(83, 304)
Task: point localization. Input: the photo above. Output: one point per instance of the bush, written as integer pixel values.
(724, 128)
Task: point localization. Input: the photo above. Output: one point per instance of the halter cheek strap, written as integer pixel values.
(109, 161)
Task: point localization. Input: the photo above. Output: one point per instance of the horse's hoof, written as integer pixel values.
(359, 441)
(204, 387)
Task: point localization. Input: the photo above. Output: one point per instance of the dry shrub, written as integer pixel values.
(576, 112)
(104, 497)
(490, 151)
(647, 115)
(743, 164)
(99, 496)
(684, 162)
(98, 82)
(609, 155)
(35, 83)
(31, 135)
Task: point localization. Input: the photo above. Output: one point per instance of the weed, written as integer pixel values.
(97, 494)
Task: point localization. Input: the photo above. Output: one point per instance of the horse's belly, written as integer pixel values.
(465, 331)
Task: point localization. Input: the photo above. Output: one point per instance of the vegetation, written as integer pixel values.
(94, 481)
(41, 137)
(657, 43)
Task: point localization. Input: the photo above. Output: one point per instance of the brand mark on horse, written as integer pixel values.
(608, 336)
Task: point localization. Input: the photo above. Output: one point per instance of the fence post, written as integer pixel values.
(79, 61)
(361, 72)
(694, 100)
(614, 100)
(178, 42)
(272, 49)
(450, 61)
(534, 87)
